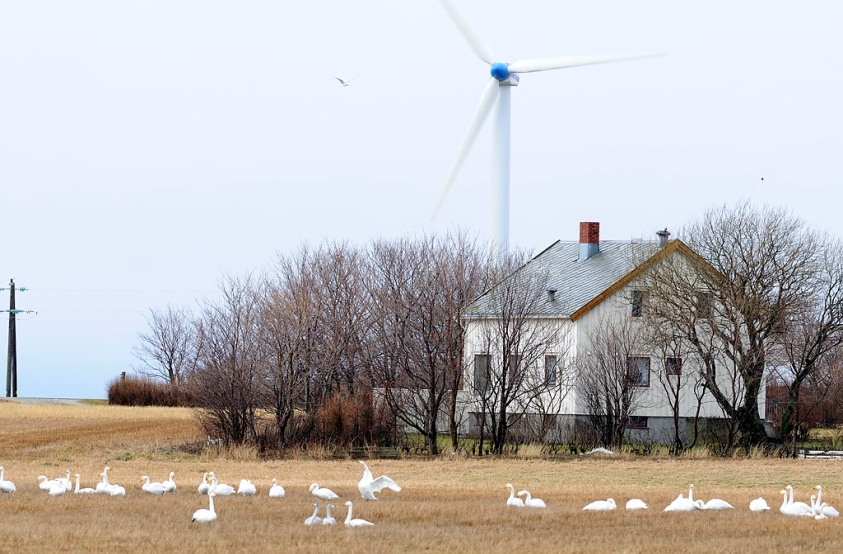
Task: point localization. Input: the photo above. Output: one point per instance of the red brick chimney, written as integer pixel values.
(589, 239)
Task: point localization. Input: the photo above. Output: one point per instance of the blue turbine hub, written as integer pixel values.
(500, 71)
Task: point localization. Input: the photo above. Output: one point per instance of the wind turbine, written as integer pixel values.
(504, 76)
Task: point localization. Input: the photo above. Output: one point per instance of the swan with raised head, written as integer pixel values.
(204, 486)
(530, 502)
(329, 519)
(276, 490)
(152, 487)
(349, 522)
(6, 486)
(513, 501)
(788, 509)
(636, 504)
(314, 519)
(607, 505)
(206, 516)
(826, 510)
(247, 488)
(368, 485)
(170, 483)
(65, 481)
(103, 485)
(682, 504)
(220, 489)
(322, 493)
(799, 505)
(759, 505)
(86, 490)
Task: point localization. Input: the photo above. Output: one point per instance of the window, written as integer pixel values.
(705, 304)
(673, 366)
(514, 366)
(639, 370)
(481, 372)
(550, 370)
(637, 422)
(638, 298)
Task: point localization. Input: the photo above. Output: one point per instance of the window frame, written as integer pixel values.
(673, 369)
(637, 360)
(481, 375)
(550, 377)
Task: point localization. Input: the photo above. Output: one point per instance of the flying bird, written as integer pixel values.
(343, 83)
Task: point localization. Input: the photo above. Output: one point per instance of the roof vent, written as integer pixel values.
(664, 237)
(551, 294)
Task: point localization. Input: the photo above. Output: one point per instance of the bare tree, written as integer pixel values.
(612, 376)
(807, 346)
(289, 329)
(168, 348)
(418, 288)
(751, 271)
(226, 383)
(515, 342)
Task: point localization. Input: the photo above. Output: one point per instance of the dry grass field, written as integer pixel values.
(447, 504)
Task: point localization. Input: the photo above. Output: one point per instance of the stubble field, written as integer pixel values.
(447, 504)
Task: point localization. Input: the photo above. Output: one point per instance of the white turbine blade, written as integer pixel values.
(480, 49)
(544, 64)
(490, 95)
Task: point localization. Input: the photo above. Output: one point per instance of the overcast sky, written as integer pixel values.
(149, 148)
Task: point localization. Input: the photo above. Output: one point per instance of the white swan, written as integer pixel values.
(220, 489)
(329, 519)
(322, 493)
(355, 522)
(276, 490)
(170, 483)
(716, 505)
(314, 519)
(368, 485)
(513, 501)
(759, 505)
(86, 490)
(826, 510)
(46, 484)
(110, 489)
(799, 505)
(152, 487)
(682, 504)
(6, 486)
(247, 488)
(57, 490)
(636, 504)
(65, 481)
(206, 516)
(204, 486)
(531, 502)
(102, 486)
(789, 509)
(607, 505)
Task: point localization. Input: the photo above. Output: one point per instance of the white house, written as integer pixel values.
(585, 285)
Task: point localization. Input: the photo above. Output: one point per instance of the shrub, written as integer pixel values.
(134, 390)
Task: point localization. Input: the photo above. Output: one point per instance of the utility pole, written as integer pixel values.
(12, 358)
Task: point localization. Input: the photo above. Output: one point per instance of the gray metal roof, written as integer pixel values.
(576, 283)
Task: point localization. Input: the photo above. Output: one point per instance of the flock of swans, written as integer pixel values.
(816, 509)
(210, 486)
(370, 485)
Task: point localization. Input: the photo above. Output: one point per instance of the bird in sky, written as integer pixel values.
(342, 82)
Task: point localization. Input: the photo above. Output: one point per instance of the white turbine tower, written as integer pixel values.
(504, 76)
